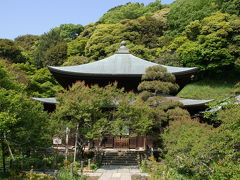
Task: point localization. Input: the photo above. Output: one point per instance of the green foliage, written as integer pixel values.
(7, 122)
(77, 46)
(168, 58)
(186, 143)
(225, 145)
(142, 34)
(236, 89)
(231, 6)
(51, 45)
(42, 84)
(145, 30)
(26, 41)
(45, 42)
(28, 46)
(101, 111)
(23, 120)
(129, 11)
(209, 88)
(7, 78)
(32, 175)
(182, 12)
(158, 81)
(104, 41)
(208, 44)
(76, 60)
(159, 170)
(69, 32)
(138, 118)
(9, 50)
(70, 173)
(27, 68)
(158, 87)
(56, 55)
(201, 152)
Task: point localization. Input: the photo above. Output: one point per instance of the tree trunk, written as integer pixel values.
(76, 143)
(3, 157)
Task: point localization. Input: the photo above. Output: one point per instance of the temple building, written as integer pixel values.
(127, 70)
(122, 67)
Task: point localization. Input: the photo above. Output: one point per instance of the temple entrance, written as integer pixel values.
(121, 142)
(124, 142)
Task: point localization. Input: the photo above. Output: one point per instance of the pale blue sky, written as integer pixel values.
(19, 17)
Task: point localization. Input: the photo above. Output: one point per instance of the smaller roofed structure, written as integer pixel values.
(189, 104)
(122, 67)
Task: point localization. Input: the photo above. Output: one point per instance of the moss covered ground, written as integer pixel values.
(209, 88)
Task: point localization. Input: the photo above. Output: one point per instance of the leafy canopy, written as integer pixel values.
(23, 120)
(101, 111)
(129, 11)
(158, 81)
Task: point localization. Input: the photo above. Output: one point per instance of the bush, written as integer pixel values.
(9, 50)
(186, 143)
(70, 173)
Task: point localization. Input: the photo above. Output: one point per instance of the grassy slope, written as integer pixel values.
(208, 89)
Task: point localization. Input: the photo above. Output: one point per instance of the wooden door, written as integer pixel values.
(108, 142)
(140, 141)
(132, 142)
(121, 142)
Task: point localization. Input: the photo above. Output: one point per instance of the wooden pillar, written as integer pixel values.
(144, 142)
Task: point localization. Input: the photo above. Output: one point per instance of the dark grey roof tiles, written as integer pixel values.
(121, 63)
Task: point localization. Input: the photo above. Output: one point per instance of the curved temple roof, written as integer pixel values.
(189, 102)
(120, 64)
(186, 102)
(46, 100)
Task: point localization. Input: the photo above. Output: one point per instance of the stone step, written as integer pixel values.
(120, 158)
(121, 164)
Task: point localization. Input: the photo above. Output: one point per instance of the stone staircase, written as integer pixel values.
(121, 158)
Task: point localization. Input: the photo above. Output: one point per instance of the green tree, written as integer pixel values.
(104, 41)
(224, 144)
(209, 44)
(28, 46)
(129, 11)
(70, 32)
(9, 50)
(158, 81)
(76, 60)
(101, 111)
(46, 41)
(231, 6)
(26, 41)
(42, 84)
(187, 146)
(23, 120)
(77, 46)
(8, 79)
(56, 55)
(182, 12)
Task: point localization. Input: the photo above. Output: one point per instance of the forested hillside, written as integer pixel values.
(188, 33)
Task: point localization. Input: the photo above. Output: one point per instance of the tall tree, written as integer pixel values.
(23, 120)
(156, 83)
(10, 51)
(101, 111)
